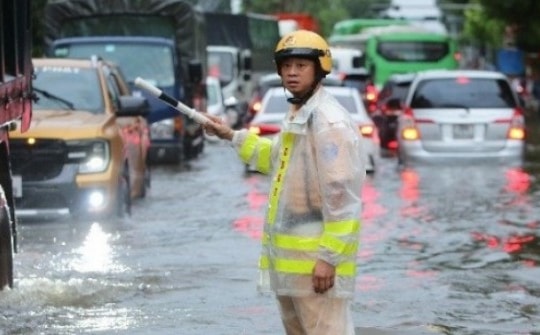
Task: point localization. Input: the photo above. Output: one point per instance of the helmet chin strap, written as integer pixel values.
(299, 101)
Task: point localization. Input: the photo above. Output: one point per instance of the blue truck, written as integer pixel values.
(161, 41)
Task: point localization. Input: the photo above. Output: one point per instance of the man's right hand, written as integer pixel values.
(218, 128)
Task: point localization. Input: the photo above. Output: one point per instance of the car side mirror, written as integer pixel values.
(133, 106)
(393, 104)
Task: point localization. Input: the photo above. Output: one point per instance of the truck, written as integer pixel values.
(161, 41)
(240, 49)
(291, 21)
(15, 105)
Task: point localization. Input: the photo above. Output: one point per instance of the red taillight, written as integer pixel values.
(516, 131)
(371, 93)
(517, 126)
(392, 145)
(409, 131)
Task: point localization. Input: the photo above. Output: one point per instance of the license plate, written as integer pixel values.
(16, 182)
(463, 131)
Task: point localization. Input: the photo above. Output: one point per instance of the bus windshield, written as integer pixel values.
(412, 51)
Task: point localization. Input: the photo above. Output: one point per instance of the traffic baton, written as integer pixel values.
(190, 112)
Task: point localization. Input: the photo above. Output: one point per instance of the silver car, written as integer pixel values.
(461, 116)
(274, 107)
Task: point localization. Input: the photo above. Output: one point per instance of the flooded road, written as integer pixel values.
(445, 250)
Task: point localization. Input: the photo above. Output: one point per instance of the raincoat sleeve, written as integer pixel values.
(341, 172)
(254, 150)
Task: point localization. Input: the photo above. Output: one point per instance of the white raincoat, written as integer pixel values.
(314, 203)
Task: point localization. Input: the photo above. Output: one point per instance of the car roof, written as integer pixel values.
(428, 74)
(333, 90)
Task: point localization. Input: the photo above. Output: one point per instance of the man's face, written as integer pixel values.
(297, 75)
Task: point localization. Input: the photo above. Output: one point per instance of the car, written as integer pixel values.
(268, 81)
(217, 106)
(274, 107)
(85, 153)
(453, 116)
(385, 116)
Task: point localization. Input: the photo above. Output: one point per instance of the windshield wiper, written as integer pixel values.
(49, 95)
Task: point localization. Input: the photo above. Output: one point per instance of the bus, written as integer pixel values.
(400, 49)
(357, 26)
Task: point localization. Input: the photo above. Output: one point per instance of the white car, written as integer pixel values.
(274, 107)
(455, 116)
(215, 105)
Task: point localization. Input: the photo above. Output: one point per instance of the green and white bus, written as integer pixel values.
(400, 49)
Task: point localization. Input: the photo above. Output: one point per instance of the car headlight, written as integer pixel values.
(92, 156)
(163, 129)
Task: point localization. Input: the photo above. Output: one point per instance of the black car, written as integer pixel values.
(389, 104)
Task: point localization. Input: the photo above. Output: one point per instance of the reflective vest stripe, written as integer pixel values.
(295, 242)
(277, 183)
(342, 227)
(337, 246)
(303, 267)
(255, 144)
(290, 242)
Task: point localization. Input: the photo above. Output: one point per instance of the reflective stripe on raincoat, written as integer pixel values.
(314, 203)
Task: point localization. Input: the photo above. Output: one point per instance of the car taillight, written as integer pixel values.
(256, 107)
(371, 93)
(179, 124)
(517, 126)
(409, 131)
(367, 130)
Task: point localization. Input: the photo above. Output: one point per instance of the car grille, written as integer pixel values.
(37, 162)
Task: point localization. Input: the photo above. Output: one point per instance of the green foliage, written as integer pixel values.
(521, 14)
(479, 27)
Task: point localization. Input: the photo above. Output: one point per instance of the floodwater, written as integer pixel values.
(444, 250)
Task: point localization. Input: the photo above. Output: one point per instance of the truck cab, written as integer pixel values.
(15, 104)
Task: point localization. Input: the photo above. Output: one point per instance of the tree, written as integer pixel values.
(521, 15)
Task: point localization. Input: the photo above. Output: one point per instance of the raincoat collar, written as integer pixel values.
(298, 125)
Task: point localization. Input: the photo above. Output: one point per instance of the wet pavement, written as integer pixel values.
(444, 250)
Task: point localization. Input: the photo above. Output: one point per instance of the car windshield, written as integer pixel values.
(67, 87)
(220, 65)
(154, 63)
(463, 92)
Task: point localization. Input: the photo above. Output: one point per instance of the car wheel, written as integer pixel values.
(372, 163)
(147, 181)
(6, 249)
(123, 195)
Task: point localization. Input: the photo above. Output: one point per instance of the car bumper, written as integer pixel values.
(65, 195)
(165, 152)
(413, 153)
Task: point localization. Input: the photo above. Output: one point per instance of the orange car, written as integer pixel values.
(85, 152)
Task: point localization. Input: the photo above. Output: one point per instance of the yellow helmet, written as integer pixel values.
(304, 44)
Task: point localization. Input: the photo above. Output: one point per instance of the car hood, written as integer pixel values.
(66, 124)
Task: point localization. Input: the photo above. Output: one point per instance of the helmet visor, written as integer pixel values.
(298, 52)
